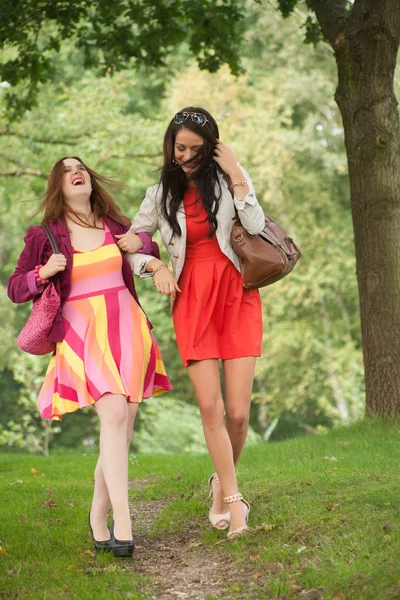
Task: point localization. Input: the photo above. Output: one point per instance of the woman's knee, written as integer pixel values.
(116, 416)
(212, 412)
(238, 420)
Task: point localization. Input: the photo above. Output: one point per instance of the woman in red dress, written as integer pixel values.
(202, 189)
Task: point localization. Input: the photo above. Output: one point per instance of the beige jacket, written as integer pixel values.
(149, 219)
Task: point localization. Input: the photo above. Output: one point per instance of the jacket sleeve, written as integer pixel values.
(145, 222)
(250, 213)
(146, 219)
(22, 283)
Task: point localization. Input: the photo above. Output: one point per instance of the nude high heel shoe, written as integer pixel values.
(216, 518)
(245, 528)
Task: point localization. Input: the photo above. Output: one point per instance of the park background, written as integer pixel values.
(323, 482)
(280, 118)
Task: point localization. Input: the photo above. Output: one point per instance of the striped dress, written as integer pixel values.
(108, 346)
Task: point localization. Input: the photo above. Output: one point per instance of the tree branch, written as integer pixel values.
(42, 140)
(332, 16)
(137, 157)
(24, 171)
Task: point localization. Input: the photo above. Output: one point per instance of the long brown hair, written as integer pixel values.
(54, 206)
(173, 179)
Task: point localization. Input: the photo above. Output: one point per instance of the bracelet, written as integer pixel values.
(239, 183)
(39, 280)
(155, 271)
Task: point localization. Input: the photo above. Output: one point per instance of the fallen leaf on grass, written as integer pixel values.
(332, 506)
(329, 458)
(256, 576)
(387, 538)
(295, 587)
(193, 544)
(71, 504)
(253, 558)
(49, 503)
(311, 595)
(89, 553)
(15, 482)
(387, 526)
(337, 596)
(72, 567)
(35, 470)
(3, 552)
(268, 526)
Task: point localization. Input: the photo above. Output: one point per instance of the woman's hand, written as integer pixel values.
(163, 280)
(129, 242)
(226, 159)
(55, 264)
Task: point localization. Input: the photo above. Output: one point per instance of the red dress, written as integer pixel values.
(214, 315)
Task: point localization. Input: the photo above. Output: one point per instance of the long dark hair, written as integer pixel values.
(173, 179)
(54, 206)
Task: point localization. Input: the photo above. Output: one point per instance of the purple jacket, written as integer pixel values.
(22, 283)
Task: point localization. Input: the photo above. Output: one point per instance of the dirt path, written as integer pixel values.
(181, 566)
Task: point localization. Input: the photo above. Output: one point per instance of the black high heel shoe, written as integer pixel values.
(104, 546)
(121, 548)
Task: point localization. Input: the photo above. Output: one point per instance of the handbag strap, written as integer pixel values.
(52, 240)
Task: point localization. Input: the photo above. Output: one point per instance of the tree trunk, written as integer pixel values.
(365, 42)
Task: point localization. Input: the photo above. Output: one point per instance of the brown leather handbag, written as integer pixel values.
(266, 257)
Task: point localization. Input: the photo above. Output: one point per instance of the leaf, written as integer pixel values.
(268, 526)
(332, 506)
(387, 538)
(301, 549)
(256, 576)
(15, 482)
(295, 587)
(329, 458)
(3, 552)
(35, 470)
(49, 503)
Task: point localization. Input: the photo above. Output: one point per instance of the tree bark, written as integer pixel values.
(366, 49)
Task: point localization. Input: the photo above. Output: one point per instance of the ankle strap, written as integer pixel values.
(233, 498)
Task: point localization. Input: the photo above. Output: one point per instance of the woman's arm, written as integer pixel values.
(138, 238)
(250, 212)
(22, 285)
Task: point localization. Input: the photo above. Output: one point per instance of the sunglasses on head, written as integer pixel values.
(197, 118)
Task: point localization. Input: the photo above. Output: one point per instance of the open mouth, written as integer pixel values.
(78, 181)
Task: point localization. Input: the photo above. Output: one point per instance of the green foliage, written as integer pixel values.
(111, 35)
(281, 120)
(161, 416)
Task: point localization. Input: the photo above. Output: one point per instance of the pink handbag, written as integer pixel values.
(33, 338)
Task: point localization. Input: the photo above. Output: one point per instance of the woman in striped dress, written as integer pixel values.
(105, 353)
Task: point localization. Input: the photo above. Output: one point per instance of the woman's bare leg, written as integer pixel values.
(205, 379)
(239, 377)
(101, 502)
(113, 413)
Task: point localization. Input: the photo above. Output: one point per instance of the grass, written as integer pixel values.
(325, 511)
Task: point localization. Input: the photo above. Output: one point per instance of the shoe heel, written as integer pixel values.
(122, 548)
